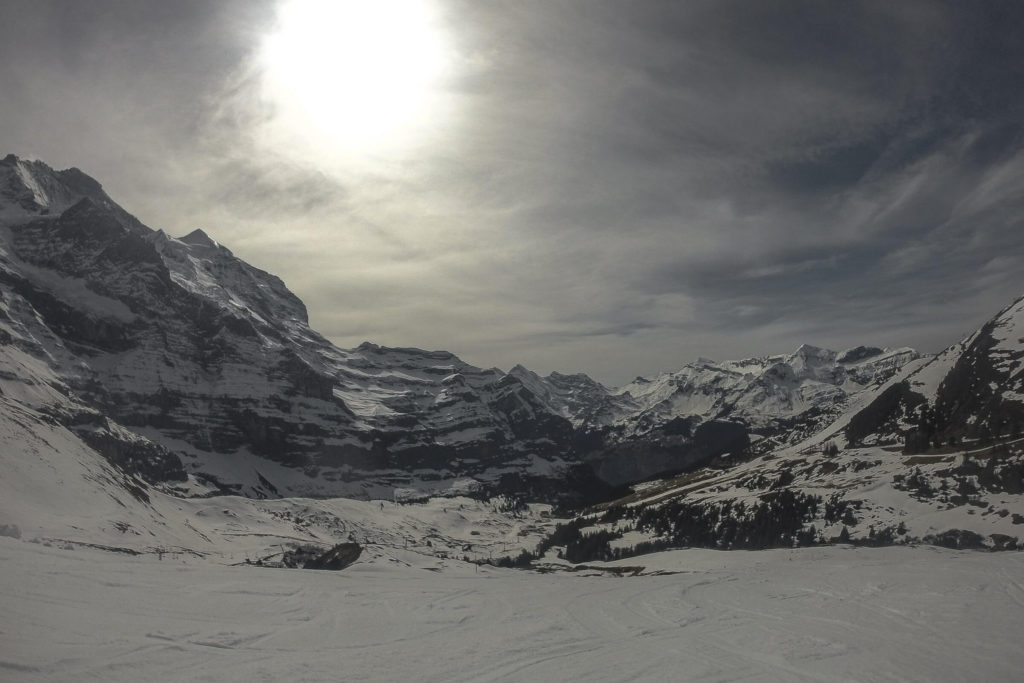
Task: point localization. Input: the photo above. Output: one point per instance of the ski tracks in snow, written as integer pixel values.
(828, 614)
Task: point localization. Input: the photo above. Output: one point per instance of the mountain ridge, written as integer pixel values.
(933, 454)
(194, 373)
(214, 360)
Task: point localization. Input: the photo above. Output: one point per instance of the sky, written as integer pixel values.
(609, 187)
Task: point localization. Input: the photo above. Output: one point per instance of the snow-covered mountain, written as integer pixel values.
(190, 372)
(766, 392)
(932, 454)
(211, 362)
(141, 375)
(971, 392)
(683, 418)
(763, 393)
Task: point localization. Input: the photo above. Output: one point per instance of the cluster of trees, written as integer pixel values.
(510, 503)
(838, 509)
(883, 414)
(564, 535)
(931, 424)
(777, 519)
(1002, 471)
(914, 483)
(998, 471)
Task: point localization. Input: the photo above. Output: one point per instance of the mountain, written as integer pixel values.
(149, 368)
(170, 426)
(933, 454)
(194, 370)
(684, 418)
(213, 362)
(972, 392)
(764, 393)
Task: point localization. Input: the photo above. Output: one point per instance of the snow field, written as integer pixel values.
(822, 614)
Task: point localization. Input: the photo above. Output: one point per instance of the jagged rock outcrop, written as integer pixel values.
(972, 392)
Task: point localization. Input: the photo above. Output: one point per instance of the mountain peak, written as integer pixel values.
(858, 353)
(80, 182)
(29, 187)
(199, 238)
(811, 350)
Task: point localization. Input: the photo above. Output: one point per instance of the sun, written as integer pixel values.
(364, 77)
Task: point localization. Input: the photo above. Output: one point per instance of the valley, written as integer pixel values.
(174, 434)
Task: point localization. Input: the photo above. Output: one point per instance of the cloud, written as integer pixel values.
(616, 188)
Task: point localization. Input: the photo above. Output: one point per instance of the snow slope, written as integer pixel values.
(834, 614)
(58, 491)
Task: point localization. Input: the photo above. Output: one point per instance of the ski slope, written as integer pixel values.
(821, 614)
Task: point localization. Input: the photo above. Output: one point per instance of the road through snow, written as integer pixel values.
(821, 614)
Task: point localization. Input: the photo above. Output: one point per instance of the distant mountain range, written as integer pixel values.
(196, 373)
(934, 454)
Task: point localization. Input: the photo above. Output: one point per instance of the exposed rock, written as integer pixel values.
(334, 559)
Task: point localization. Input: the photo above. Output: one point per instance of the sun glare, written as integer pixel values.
(363, 77)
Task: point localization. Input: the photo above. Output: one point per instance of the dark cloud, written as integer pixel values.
(622, 186)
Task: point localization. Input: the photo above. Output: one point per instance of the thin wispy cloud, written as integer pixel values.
(610, 187)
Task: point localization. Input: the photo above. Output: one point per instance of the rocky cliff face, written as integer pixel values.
(973, 392)
(182, 363)
(198, 353)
